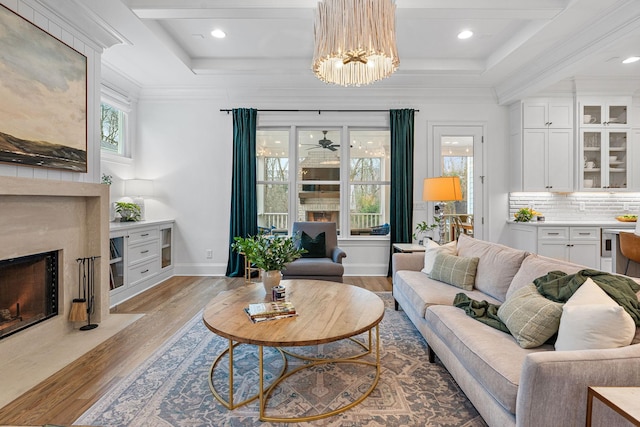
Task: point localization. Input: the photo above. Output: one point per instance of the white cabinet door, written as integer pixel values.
(557, 250)
(585, 253)
(534, 173)
(561, 115)
(560, 160)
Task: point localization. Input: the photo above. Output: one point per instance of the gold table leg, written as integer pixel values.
(229, 403)
(263, 394)
(264, 397)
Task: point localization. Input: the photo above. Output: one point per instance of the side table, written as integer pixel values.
(408, 247)
(622, 400)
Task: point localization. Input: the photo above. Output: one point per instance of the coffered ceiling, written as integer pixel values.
(519, 47)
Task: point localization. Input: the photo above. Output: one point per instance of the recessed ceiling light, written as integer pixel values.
(465, 34)
(219, 34)
(631, 59)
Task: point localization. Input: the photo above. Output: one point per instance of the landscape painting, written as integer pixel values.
(43, 98)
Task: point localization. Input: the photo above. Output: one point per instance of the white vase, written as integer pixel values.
(270, 279)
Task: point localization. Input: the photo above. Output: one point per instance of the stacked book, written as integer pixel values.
(270, 310)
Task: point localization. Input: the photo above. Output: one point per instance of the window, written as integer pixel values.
(273, 180)
(113, 129)
(325, 169)
(369, 180)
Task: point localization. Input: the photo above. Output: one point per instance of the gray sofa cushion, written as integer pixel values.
(422, 291)
(313, 267)
(492, 357)
(497, 266)
(535, 266)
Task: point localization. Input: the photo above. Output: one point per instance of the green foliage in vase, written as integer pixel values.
(128, 211)
(268, 252)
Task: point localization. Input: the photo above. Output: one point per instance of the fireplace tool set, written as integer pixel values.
(84, 306)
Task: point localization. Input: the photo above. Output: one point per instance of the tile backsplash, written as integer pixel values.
(570, 206)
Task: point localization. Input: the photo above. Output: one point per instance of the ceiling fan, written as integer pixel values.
(325, 143)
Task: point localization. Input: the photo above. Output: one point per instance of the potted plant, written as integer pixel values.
(423, 228)
(128, 211)
(269, 253)
(525, 215)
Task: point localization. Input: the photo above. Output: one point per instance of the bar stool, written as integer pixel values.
(630, 248)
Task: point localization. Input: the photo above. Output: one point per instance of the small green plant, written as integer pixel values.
(268, 252)
(423, 228)
(525, 215)
(107, 179)
(128, 211)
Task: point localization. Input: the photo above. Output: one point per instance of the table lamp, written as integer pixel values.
(137, 189)
(442, 189)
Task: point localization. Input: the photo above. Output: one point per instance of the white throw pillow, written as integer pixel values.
(591, 319)
(433, 249)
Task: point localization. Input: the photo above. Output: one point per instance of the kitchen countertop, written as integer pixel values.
(584, 223)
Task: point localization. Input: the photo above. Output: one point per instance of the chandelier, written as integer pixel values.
(355, 41)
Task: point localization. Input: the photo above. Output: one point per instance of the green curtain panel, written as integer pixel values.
(401, 215)
(244, 205)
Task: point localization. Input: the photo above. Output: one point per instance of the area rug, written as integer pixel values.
(171, 388)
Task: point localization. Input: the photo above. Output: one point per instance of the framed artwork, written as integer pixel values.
(43, 98)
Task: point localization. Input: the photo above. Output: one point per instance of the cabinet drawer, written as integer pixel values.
(553, 233)
(585, 233)
(144, 251)
(143, 271)
(138, 236)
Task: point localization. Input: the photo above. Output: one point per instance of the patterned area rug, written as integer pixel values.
(171, 388)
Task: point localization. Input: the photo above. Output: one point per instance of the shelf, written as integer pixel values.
(617, 170)
(617, 149)
(592, 149)
(592, 170)
(115, 260)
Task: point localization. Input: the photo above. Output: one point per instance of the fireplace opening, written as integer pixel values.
(28, 291)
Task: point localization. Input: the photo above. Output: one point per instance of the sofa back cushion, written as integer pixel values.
(497, 266)
(535, 266)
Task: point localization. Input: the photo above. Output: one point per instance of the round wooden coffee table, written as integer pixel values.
(327, 312)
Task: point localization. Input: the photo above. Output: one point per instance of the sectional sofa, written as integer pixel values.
(508, 384)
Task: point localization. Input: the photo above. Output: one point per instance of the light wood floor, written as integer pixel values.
(64, 396)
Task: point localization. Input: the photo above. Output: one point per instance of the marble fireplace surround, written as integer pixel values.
(73, 218)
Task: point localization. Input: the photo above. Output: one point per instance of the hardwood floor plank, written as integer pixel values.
(64, 396)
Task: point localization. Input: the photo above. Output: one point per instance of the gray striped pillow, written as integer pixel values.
(455, 270)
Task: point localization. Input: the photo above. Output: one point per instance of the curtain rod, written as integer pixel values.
(228, 110)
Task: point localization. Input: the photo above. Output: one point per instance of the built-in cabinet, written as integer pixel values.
(579, 245)
(605, 136)
(576, 244)
(542, 150)
(141, 257)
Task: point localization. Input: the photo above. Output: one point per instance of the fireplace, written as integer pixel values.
(28, 291)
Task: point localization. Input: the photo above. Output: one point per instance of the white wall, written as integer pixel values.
(184, 143)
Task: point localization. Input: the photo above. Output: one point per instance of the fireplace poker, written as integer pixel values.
(89, 283)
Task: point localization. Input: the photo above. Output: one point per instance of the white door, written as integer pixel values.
(458, 150)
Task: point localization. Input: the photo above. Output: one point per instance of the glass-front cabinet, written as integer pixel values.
(605, 112)
(605, 159)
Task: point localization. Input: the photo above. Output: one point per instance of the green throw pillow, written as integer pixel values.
(455, 270)
(531, 318)
(315, 246)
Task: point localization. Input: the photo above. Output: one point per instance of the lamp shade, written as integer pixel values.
(442, 189)
(138, 187)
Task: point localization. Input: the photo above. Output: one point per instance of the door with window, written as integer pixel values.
(458, 152)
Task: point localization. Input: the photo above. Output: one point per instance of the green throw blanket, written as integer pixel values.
(559, 286)
(482, 311)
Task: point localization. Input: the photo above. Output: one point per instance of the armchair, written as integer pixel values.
(328, 267)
